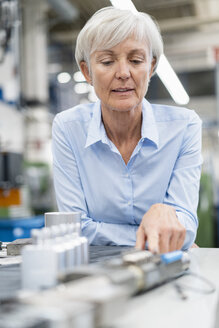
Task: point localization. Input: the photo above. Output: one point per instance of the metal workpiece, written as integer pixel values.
(139, 278)
(14, 248)
(142, 270)
(137, 257)
(56, 250)
(175, 266)
(132, 270)
(164, 268)
(136, 271)
(129, 277)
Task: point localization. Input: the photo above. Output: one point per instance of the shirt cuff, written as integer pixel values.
(191, 229)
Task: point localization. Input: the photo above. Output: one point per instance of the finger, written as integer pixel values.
(153, 242)
(164, 242)
(174, 241)
(181, 238)
(140, 238)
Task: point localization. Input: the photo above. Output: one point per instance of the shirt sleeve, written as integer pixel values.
(70, 195)
(183, 189)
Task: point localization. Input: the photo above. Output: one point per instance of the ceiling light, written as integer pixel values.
(124, 4)
(79, 77)
(81, 88)
(171, 81)
(63, 77)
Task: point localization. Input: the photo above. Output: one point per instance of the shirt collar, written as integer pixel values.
(149, 126)
(96, 131)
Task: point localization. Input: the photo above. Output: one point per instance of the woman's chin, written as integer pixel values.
(124, 107)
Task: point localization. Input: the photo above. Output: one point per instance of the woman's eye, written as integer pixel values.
(107, 63)
(136, 61)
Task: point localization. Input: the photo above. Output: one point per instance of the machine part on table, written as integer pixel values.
(137, 257)
(108, 285)
(137, 270)
(56, 218)
(55, 251)
(89, 295)
(150, 270)
(14, 248)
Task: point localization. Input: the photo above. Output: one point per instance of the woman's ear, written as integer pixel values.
(85, 71)
(153, 63)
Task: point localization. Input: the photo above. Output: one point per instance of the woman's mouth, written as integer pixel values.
(122, 90)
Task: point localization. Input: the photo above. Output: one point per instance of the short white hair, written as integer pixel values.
(109, 26)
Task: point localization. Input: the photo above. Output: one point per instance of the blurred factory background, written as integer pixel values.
(39, 78)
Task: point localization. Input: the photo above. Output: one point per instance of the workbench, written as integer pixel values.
(164, 306)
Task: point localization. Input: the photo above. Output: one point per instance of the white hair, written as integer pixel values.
(109, 26)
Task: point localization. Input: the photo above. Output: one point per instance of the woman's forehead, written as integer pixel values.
(129, 45)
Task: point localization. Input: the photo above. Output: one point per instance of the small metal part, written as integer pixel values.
(139, 277)
(14, 248)
(137, 257)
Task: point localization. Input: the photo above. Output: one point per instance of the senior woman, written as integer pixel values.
(131, 168)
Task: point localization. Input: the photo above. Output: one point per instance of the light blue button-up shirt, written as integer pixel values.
(90, 175)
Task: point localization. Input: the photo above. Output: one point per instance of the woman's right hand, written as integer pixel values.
(162, 230)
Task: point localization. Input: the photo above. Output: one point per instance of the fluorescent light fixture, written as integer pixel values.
(81, 88)
(124, 4)
(164, 69)
(63, 77)
(79, 77)
(171, 81)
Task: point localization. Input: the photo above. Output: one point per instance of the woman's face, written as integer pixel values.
(120, 75)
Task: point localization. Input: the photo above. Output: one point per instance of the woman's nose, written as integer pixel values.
(122, 70)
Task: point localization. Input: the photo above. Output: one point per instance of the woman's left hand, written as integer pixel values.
(162, 230)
